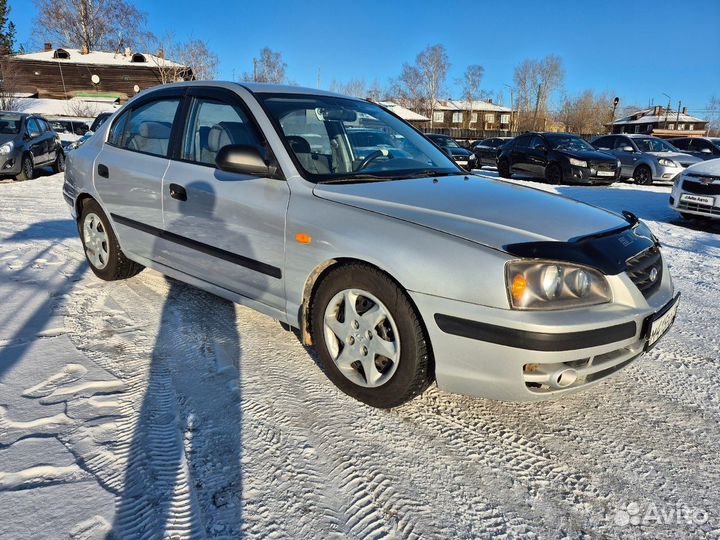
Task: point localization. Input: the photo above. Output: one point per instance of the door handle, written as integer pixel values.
(103, 171)
(178, 192)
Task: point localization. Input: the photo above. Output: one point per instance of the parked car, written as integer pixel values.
(398, 271)
(645, 158)
(27, 142)
(486, 152)
(700, 147)
(452, 148)
(99, 121)
(558, 158)
(74, 127)
(696, 191)
(366, 141)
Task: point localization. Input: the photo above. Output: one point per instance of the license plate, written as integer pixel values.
(661, 322)
(697, 199)
(606, 173)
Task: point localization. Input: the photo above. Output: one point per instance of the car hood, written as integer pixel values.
(710, 167)
(589, 155)
(460, 152)
(685, 159)
(482, 210)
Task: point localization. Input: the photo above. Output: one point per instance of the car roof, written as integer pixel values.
(254, 88)
(20, 114)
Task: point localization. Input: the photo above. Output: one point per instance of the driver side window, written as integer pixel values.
(213, 124)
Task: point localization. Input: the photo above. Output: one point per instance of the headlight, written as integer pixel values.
(6, 148)
(550, 285)
(578, 162)
(667, 162)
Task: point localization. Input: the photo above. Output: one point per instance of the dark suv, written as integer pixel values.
(557, 157)
(703, 147)
(27, 142)
(450, 146)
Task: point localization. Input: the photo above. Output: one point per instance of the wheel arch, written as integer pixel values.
(315, 278)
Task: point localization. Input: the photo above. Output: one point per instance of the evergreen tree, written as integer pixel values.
(7, 30)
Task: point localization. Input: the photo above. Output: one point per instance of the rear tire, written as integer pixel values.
(643, 175)
(106, 259)
(503, 168)
(382, 319)
(58, 165)
(27, 169)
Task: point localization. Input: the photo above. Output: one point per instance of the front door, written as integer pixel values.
(221, 227)
(628, 159)
(129, 169)
(36, 143)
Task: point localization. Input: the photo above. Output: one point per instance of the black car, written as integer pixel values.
(27, 142)
(460, 155)
(702, 147)
(75, 127)
(487, 151)
(557, 157)
(100, 120)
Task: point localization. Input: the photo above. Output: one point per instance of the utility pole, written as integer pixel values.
(668, 109)
(678, 114)
(512, 116)
(254, 69)
(537, 105)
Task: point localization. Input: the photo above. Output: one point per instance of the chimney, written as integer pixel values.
(128, 52)
(684, 110)
(84, 50)
(161, 54)
(657, 110)
(48, 46)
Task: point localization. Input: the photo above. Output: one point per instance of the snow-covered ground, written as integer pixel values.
(148, 409)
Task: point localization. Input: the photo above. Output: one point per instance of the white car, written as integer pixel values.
(696, 192)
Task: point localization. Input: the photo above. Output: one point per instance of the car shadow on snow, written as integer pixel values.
(189, 415)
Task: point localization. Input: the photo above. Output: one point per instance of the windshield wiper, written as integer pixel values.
(356, 178)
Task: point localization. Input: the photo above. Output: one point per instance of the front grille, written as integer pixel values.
(640, 269)
(695, 207)
(699, 188)
(602, 166)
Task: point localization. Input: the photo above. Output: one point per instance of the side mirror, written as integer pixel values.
(627, 148)
(238, 158)
(706, 151)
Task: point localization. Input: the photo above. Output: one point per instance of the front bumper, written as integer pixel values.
(10, 163)
(665, 174)
(589, 175)
(516, 356)
(699, 204)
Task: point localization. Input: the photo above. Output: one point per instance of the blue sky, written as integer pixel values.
(636, 49)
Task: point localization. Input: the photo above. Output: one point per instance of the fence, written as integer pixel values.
(469, 136)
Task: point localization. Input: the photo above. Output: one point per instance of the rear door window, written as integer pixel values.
(523, 141)
(149, 126)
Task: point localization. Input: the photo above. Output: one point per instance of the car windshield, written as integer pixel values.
(10, 124)
(334, 139)
(99, 121)
(716, 142)
(568, 142)
(652, 144)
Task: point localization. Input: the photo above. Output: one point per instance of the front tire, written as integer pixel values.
(107, 261)
(643, 175)
(503, 168)
(27, 169)
(369, 338)
(554, 174)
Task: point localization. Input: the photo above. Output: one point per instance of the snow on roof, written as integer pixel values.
(99, 58)
(66, 107)
(465, 105)
(645, 117)
(402, 112)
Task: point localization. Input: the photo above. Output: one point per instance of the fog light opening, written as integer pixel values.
(564, 378)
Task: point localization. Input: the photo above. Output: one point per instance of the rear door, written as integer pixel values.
(49, 142)
(130, 167)
(537, 156)
(225, 228)
(628, 160)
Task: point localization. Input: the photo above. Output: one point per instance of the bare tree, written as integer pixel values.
(269, 68)
(586, 113)
(471, 86)
(419, 86)
(536, 81)
(354, 87)
(196, 55)
(9, 100)
(92, 24)
(180, 61)
(81, 109)
(713, 114)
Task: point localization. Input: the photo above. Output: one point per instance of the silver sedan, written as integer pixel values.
(400, 268)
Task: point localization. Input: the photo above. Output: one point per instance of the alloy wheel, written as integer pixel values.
(361, 337)
(95, 238)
